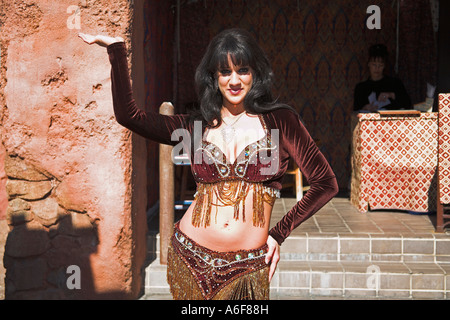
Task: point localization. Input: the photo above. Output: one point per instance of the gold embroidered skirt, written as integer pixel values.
(198, 273)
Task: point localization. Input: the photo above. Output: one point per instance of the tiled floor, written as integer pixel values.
(339, 216)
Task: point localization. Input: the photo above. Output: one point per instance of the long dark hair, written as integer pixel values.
(244, 51)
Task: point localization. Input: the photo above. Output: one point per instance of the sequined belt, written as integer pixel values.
(212, 269)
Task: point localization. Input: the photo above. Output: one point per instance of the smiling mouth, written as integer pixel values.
(235, 91)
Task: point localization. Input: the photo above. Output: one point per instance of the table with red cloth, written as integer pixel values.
(394, 160)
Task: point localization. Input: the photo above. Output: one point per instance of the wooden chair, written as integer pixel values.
(443, 181)
(298, 183)
(184, 195)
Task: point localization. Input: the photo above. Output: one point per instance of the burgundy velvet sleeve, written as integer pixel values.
(296, 141)
(149, 124)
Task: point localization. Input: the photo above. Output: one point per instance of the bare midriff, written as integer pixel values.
(225, 233)
(222, 231)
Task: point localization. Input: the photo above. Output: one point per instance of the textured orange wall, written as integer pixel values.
(69, 164)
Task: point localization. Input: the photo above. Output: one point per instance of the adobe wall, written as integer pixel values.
(70, 167)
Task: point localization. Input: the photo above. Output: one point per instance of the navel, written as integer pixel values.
(226, 225)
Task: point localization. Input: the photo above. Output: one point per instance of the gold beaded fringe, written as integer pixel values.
(230, 193)
(181, 282)
(251, 286)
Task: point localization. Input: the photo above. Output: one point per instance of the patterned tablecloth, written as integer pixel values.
(394, 162)
(444, 148)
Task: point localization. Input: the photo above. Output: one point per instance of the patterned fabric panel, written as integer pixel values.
(444, 147)
(398, 160)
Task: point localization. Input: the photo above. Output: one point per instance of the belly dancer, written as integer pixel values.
(239, 141)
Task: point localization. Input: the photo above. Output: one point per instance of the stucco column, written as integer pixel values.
(76, 197)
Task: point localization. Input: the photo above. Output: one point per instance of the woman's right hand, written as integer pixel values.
(101, 40)
(273, 255)
(370, 107)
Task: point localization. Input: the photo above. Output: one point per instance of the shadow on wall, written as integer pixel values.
(49, 262)
(52, 263)
(50, 248)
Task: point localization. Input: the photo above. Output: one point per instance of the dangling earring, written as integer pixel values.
(216, 83)
(216, 86)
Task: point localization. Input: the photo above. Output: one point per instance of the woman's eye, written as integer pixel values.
(225, 72)
(243, 70)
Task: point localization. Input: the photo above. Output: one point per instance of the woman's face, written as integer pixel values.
(234, 83)
(376, 68)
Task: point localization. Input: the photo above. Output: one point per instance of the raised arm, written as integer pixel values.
(149, 124)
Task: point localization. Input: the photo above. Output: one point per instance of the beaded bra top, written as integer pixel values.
(222, 183)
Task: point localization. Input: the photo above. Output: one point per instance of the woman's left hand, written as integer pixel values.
(101, 40)
(386, 95)
(273, 255)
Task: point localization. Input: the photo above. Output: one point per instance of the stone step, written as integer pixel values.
(347, 266)
(338, 279)
(352, 279)
(367, 247)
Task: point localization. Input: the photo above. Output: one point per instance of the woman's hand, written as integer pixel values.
(370, 107)
(101, 40)
(386, 95)
(273, 255)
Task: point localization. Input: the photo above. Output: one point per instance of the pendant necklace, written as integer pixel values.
(229, 132)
